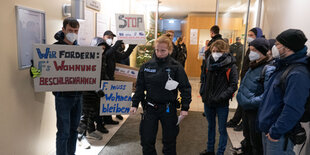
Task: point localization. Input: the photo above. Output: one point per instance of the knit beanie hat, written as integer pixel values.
(261, 44)
(257, 31)
(293, 39)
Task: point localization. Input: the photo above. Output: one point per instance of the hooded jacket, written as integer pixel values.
(281, 109)
(218, 88)
(152, 78)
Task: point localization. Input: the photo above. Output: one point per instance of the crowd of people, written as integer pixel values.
(273, 92)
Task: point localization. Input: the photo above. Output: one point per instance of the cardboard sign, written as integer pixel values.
(117, 99)
(67, 68)
(130, 28)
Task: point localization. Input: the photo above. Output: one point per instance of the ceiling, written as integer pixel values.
(179, 9)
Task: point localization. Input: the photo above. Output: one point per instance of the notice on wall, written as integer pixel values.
(130, 28)
(117, 99)
(67, 68)
(193, 36)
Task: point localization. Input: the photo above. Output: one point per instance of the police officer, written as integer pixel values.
(161, 78)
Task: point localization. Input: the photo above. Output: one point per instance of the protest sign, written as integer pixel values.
(67, 68)
(117, 99)
(130, 28)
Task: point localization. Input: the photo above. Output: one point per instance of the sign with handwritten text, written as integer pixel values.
(67, 68)
(117, 99)
(130, 28)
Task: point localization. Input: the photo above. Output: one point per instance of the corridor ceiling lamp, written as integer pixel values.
(171, 21)
(78, 9)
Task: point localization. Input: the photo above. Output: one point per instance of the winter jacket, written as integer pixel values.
(112, 55)
(252, 86)
(218, 88)
(59, 36)
(236, 50)
(203, 66)
(281, 109)
(182, 54)
(152, 78)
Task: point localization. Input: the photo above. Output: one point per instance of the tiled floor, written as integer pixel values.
(196, 105)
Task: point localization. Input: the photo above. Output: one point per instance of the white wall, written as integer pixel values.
(27, 119)
(280, 15)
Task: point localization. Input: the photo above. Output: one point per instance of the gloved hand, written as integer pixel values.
(132, 46)
(100, 93)
(118, 43)
(34, 72)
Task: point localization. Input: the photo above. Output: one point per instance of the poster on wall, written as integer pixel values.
(86, 31)
(102, 24)
(30, 25)
(67, 68)
(193, 36)
(117, 99)
(130, 28)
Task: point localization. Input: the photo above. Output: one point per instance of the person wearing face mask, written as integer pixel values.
(67, 104)
(221, 83)
(252, 35)
(215, 35)
(161, 78)
(284, 102)
(112, 54)
(250, 95)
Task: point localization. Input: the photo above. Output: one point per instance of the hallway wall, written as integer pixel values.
(28, 119)
(280, 15)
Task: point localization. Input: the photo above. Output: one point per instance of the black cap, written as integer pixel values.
(293, 39)
(109, 33)
(261, 44)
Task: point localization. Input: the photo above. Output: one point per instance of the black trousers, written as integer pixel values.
(253, 138)
(90, 113)
(237, 116)
(149, 127)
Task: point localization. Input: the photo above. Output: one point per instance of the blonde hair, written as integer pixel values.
(166, 40)
(221, 45)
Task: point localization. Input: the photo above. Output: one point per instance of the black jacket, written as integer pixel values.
(218, 89)
(182, 55)
(152, 78)
(59, 36)
(112, 55)
(203, 66)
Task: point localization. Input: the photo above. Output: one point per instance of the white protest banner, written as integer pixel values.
(117, 99)
(130, 28)
(67, 68)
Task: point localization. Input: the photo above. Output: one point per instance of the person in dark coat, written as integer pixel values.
(161, 78)
(221, 83)
(215, 35)
(182, 50)
(284, 104)
(112, 54)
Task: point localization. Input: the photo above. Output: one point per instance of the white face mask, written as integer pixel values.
(250, 39)
(216, 55)
(171, 84)
(275, 52)
(109, 42)
(71, 37)
(253, 56)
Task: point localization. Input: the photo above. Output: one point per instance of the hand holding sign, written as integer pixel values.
(133, 110)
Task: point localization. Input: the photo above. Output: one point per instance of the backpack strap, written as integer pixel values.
(285, 74)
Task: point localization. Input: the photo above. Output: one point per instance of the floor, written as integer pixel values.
(196, 105)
